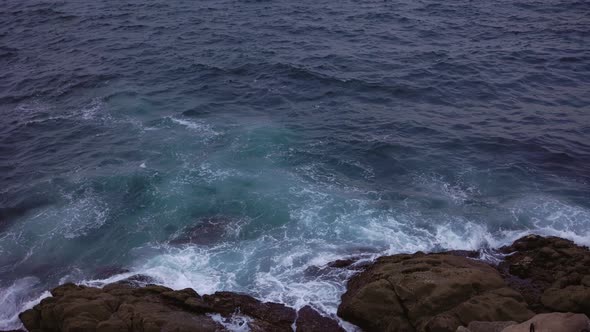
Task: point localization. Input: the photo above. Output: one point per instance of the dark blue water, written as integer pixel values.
(234, 144)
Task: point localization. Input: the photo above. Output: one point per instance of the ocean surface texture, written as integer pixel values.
(235, 145)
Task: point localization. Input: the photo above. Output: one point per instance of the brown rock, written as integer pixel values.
(276, 315)
(567, 299)
(181, 295)
(553, 322)
(31, 319)
(551, 273)
(309, 320)
(124, 307)
(436, 292)
(477, 326)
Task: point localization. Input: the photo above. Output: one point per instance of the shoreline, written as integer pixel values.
(385, 294)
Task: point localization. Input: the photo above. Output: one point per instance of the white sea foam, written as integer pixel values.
(185, 267)
(71, 220)
(93, 110)
(261, 269)
(235, 323)
(37, 112)
(17, 298)
(277, 267)
(457, 192)
(102, 282)
(198, 126)
(328, 223)
(211, 174)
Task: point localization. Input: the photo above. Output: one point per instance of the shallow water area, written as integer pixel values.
(238, 145)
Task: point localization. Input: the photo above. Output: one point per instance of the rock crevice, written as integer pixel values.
(404, 308)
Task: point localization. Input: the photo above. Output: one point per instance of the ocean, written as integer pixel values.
(240, 144)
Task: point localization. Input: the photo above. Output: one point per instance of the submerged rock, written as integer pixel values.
(429, 292)
(123, 307)
(9, 213)
(553, 274)
(208, 231)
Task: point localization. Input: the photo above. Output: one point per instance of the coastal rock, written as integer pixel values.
(309, 320)
(339, 267)
(556, 321)
(429, 292)
(125, 307)
(548, 322)
(267, 316)
(477, 326)
(552, 274)
(420, 292)
(119, 307)
(116, 307)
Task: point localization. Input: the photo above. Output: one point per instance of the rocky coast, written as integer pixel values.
(536, 284)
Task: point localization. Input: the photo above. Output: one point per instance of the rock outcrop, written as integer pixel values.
(553, 274)
(309, 320)
(441, 292)
(477, 326)
(451, 291)
(429, 292)
(549, 322)
(556, 321)
(124, 307)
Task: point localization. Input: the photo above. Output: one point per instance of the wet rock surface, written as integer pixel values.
(123, 307)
